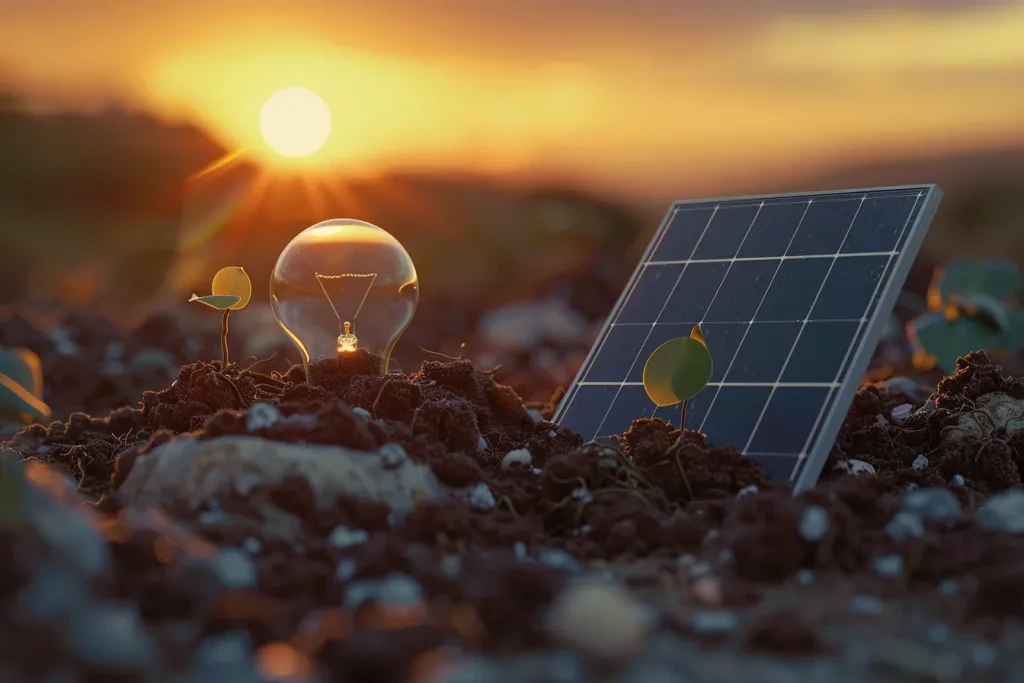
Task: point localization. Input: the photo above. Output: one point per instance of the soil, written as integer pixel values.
(649, 508)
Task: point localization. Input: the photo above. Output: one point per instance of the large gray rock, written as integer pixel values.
(184, 474)
(992, 412)
(1003, 512)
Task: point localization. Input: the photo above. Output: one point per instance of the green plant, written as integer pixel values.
(21, 383)
(678, 370)
(970, 308)
(231, 291)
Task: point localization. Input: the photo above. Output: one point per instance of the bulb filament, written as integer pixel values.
(347, 342)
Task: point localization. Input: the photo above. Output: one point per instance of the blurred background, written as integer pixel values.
(522, 152)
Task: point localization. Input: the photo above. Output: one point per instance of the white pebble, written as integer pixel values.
(890, 566)
(346, 569)
(235, 568)
(814, 524)
(362, 412)
(393, 454)
(1003, 512)
(958, 480)
(854, 467)
(901, 413)
(746, 491)
(393, 590)
(520, 457)
(920, 462)
(904, 526)
(520, 550)
(262, 416)
(481, 497)
(481, 443)
(343, 537)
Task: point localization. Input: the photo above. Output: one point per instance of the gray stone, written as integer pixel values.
(804, 577)
(112, 637)
(261, 416)
(948, 588)
(343, 537)
(235, 568)
(920, 462)
(54, 593)
(867, 604)
(714, 622)
(905, 526)
(233, 649)
(1003, 512)
(958, 479)
(481, 497)
(853, 466)
(903, 385)
(746, 491)
(393, 590)
(889, 566)
(814, 524)
(559, 559)
(362, 412)
(931, 504)
(598, 618)
(185, 474)
(992, 412)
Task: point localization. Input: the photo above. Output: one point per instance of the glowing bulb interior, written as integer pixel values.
(342, 286)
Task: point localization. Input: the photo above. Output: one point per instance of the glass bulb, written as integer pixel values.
(344, 286)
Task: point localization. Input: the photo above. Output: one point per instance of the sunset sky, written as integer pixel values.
(631, 94)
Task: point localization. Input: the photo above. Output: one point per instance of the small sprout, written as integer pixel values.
(678, 370)
(232, 290)
(21, 382)
(968, 311)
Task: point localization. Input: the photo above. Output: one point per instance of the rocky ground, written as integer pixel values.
(241, 524)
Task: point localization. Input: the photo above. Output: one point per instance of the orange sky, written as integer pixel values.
(631, 94)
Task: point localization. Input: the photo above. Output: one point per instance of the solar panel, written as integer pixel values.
(792, 293)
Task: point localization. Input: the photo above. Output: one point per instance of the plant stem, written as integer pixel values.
(224, 337)
(682, 418)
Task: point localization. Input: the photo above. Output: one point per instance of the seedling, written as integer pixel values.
(232, 290)
(678, 370)
(21, 383)
(969, 309)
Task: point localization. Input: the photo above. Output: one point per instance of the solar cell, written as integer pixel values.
(792, 292)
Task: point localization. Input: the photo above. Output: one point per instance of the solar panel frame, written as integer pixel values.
(824, 431)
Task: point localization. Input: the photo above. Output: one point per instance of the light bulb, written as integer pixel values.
(341, 287)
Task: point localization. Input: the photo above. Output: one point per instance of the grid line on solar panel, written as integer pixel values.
(769, 327)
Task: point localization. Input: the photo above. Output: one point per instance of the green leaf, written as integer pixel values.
(996, 278)
(219, 301)
(21, 382)
(986, 308)
(947, 340)
(677, 371)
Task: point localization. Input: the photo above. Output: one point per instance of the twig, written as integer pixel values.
(682, 418)
(380, 392)
(438, 354)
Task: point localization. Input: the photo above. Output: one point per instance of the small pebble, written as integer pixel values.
(701, 569)
(262, 416)
(451, 565)
(519, 548)
(866, 604)
(854, 467)
(597, 618)
(362, 412)
(234, 568)
(920, 462)
(902, 385)
(1003, 512)
(344, 537)
(880, 419)
(711, 536)
(805, 577)
(559, 559)
(346, 569)
(983, 656)
(939, 633)
(393, 455)
(481, 443)
(520, 457)
(905, 526)
(746, 491)
(814, 524)
(890, 566)
(230, 650)
(393, 590)
(252, 545)
(958, 479)
(931, 504)
(111, 636)
(714, 622)
(948, 588)
(481, 497)
(901, 412)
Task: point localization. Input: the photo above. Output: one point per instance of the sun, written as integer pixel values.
(295, 122)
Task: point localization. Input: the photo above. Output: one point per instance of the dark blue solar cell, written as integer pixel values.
(622, 343)
(793, 290)
(696, 409)
(724, 235)
(733, 415)
(692, 296)
(855, 344)
(682, 234)
(648, 297)
(879, 224)
(798, 409)
(763, 353)
(773, 230)
(820, 351)
(849, 288)
(777, 467)
(740, 294)
(824, 226)
(586, 407)
(631, 403)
